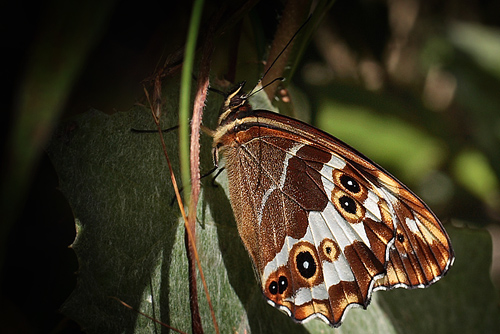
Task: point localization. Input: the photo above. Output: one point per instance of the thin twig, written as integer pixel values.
(147, 316)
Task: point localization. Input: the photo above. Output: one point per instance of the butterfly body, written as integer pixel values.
(324, 225)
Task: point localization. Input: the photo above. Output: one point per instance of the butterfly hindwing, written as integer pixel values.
(323, 225)
(314, 257)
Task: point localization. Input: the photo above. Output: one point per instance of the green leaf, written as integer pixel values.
(116, 184)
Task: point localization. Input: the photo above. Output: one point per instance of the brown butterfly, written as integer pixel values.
(324, 225)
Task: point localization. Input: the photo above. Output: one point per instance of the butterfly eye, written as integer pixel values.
(348, 204)
(350, 184)
(306, 264)
(278, 287)
(235, 101)
(282, 284)
(273, 287)
(329, 250)
(401, 237)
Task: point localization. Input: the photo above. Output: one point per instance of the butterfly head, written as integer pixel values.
(236, 102)
(235, 106)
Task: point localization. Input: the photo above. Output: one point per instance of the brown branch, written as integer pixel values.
(199, 105)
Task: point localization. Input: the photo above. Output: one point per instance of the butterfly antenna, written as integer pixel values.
(279, 55)
(264, 87)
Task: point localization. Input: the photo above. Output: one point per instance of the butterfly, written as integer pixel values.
(323, 224)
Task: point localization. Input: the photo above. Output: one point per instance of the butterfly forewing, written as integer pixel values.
(324, 225)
